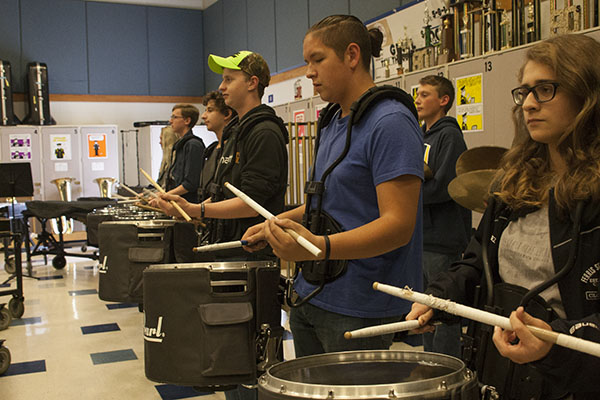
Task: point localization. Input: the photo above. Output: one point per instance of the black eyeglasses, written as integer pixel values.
(542, 92)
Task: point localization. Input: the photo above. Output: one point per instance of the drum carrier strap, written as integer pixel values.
(317, 220)
(215, 188)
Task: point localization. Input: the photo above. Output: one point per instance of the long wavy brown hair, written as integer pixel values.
(525, 176)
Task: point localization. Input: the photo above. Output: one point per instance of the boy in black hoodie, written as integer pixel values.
(446, 225)
(254, 155)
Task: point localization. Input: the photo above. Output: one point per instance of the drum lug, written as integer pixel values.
(468, 374)
(330, 394)
(392, 394)
(489, 393)
(282, 389)
(443, 385)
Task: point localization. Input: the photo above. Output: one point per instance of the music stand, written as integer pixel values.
(16, 181)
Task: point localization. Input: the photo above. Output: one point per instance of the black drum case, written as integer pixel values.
(127, 248)
(211, 324)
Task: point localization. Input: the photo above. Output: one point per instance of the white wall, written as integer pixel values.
(91, 113)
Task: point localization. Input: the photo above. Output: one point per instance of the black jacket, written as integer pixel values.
(187, 164)
(254, 160)
(446, 225)
(569, 370)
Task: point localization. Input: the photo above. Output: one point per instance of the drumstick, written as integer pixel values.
(133, 192)
(382, 329)
(173, 203)
(151, 193)
(221, 246)
(149, 208)
(127, 201)
(302, 241)
(561, 339)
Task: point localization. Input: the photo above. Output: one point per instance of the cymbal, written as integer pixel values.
(484, 157)
(428, 172)
(470, 189)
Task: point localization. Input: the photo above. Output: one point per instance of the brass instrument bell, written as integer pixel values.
(105, 185)
(64, 191)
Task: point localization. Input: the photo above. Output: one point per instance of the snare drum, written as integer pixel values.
(383, 374)
(202, 320)
(127, 248)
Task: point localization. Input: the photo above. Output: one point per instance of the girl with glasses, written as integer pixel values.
(536, 253)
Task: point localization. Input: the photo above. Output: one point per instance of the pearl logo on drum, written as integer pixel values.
(154, 334)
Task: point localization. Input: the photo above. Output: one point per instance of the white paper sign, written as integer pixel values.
(61, 167)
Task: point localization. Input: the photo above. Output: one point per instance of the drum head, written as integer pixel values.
(368, 374)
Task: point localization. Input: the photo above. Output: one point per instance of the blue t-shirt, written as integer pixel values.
(386, 143)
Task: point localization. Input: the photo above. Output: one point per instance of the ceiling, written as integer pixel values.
(189, 4)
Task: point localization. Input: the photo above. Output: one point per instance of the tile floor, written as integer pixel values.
(69, 344)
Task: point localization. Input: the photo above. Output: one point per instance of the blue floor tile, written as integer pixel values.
(113, 356)
(172, 392)
(82, 292)
(121, 305)
(28, 367)
(51, 277)
(51, 285)
(26, 321)
(86, 330)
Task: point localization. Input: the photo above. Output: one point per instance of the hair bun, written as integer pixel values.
(376, 41)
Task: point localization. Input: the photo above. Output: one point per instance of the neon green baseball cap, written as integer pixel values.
(217, 63)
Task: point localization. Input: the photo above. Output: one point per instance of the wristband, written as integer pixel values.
(327, 248)
(202, 210)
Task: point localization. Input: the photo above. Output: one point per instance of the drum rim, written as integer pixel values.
(143, 223)
(217, 266)
(438, 385)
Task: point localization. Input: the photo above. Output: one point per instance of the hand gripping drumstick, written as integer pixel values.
(382, 329)
(302, 241)
(561, 339)
(173, 203)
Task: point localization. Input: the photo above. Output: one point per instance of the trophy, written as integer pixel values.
(446, 52)
(404, 53)
(425, 57)
(465, 34)
(464, 21)
(526, 24)
(489, 27)
(566, 20)
(505, 31)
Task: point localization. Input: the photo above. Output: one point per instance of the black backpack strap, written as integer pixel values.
(376, 93)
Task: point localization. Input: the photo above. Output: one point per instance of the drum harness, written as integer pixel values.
(319, 222)
(216, 228)
(477, 340)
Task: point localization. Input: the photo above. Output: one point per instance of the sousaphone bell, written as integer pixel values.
(105, 185)
(64, 191)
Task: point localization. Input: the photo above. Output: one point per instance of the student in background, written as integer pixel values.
(446, 225)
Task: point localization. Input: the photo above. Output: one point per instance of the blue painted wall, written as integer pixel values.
(105, 48)
(275, 28)
(118, 49)
(10, 40)
(176, 56)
